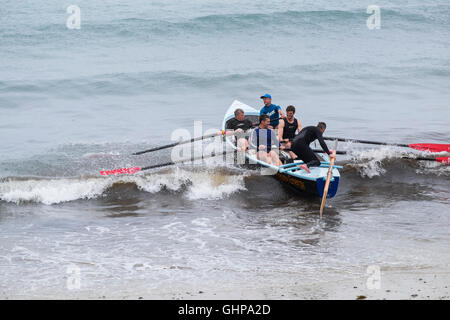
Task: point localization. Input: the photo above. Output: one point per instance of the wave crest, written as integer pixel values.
(194, 185)
(376, 162)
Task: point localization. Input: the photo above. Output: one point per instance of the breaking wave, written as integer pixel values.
(194, 185)
(369, 163)
(210, 182)
(378, 162)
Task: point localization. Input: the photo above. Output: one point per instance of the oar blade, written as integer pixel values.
(431, 147)
(120, 171)
(444, 160)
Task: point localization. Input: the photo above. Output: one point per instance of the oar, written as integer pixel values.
(444, 160)
(432, 147)
(327, 182)
(321, 151)
(136, 169)
(220, 133)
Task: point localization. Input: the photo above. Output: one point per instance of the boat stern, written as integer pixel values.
(333, 187)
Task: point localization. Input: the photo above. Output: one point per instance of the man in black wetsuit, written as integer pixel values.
(239, 124)
(300, 145)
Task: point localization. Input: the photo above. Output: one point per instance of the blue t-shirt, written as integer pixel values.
(272, 112)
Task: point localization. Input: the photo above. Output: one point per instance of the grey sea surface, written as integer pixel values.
(76, 101)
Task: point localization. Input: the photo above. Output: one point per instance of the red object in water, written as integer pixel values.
(445, 160)
(120, 171)
(431, 147)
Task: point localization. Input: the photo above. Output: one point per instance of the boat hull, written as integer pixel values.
(310, 187)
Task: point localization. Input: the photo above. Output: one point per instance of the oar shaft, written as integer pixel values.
(181, 142)
(158, 148)
(319, 151)
(425, 159)
(442, 159)
(367, 142)
(171, 145)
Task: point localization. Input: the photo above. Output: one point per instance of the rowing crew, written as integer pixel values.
(273, 132)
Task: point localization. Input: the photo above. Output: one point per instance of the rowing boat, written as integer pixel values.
(312, 183)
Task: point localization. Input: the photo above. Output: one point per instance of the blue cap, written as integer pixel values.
(266, 96)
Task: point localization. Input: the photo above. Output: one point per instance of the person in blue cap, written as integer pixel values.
(272, 110)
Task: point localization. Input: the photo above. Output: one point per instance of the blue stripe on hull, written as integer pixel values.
(332, 189)
(311, 187)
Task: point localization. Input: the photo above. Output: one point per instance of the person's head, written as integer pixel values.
(264, 121)
(239, 114)
(290, 110)
(322, 126)
(267, 98)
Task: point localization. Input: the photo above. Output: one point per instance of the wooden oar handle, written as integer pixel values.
(327, 182)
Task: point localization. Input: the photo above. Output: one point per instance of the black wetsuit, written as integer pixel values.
(300, 145)
(289, 129)
(235, 124)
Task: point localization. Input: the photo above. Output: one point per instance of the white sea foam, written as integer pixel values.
(433, 167)
(369, 162)
(91, 155)
(52, 191)
(198, 184)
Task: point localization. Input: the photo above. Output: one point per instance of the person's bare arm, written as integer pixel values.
(281, 113)
(299, 125)
(280, 130)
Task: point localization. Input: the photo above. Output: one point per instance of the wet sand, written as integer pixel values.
(411, 284)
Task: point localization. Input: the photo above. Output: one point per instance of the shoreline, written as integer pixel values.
(394, 285)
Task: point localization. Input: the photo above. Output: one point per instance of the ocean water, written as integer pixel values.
(76, 101)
